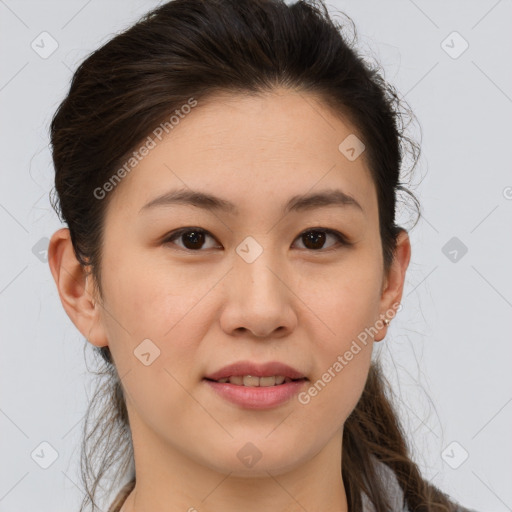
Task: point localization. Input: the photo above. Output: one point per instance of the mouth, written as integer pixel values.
(251, 392)
(256, 386)
(252, 381)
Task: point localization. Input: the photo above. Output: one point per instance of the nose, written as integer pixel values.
(259, 299)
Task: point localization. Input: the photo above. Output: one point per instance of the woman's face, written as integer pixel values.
(257, 282)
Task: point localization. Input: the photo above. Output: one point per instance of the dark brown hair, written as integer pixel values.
(193, 49)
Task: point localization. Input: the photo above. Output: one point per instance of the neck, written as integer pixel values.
(174, 482)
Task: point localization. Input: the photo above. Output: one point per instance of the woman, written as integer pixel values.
(228, 172)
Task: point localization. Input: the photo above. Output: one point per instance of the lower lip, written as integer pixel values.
(260, 397)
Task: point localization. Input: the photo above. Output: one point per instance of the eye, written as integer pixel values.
(315, 238)
(193, 238)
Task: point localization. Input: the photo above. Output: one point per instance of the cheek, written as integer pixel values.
(347, 308)
(345, 302)
(150, 322)
(342, 361)
(152, 298)
(333, 395)
(154, 336)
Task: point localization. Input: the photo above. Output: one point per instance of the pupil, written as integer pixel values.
(195, 237)
(315, 237)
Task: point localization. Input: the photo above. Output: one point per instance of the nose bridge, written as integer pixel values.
(255, 267)
(257, 298)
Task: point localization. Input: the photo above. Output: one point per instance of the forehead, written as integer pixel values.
(252, 150)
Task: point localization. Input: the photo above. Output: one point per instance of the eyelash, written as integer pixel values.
(342, 240)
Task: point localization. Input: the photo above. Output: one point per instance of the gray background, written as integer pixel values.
(447, 354)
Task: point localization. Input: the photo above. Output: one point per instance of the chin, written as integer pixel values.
(250, 462)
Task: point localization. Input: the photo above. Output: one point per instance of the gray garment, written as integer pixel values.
(395, 492)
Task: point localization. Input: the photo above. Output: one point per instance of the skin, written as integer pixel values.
(209, 308)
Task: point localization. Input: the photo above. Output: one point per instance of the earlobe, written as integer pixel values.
(394, 281)
(75, 288)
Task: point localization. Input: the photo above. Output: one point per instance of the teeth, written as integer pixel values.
(279, 379)
(252, 381)
(265, 381)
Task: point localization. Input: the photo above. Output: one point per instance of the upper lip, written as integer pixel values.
(257, 370)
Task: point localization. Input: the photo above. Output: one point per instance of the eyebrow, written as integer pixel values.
(298, 203)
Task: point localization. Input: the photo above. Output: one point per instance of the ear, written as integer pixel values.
(76, 288)
(393, 284)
